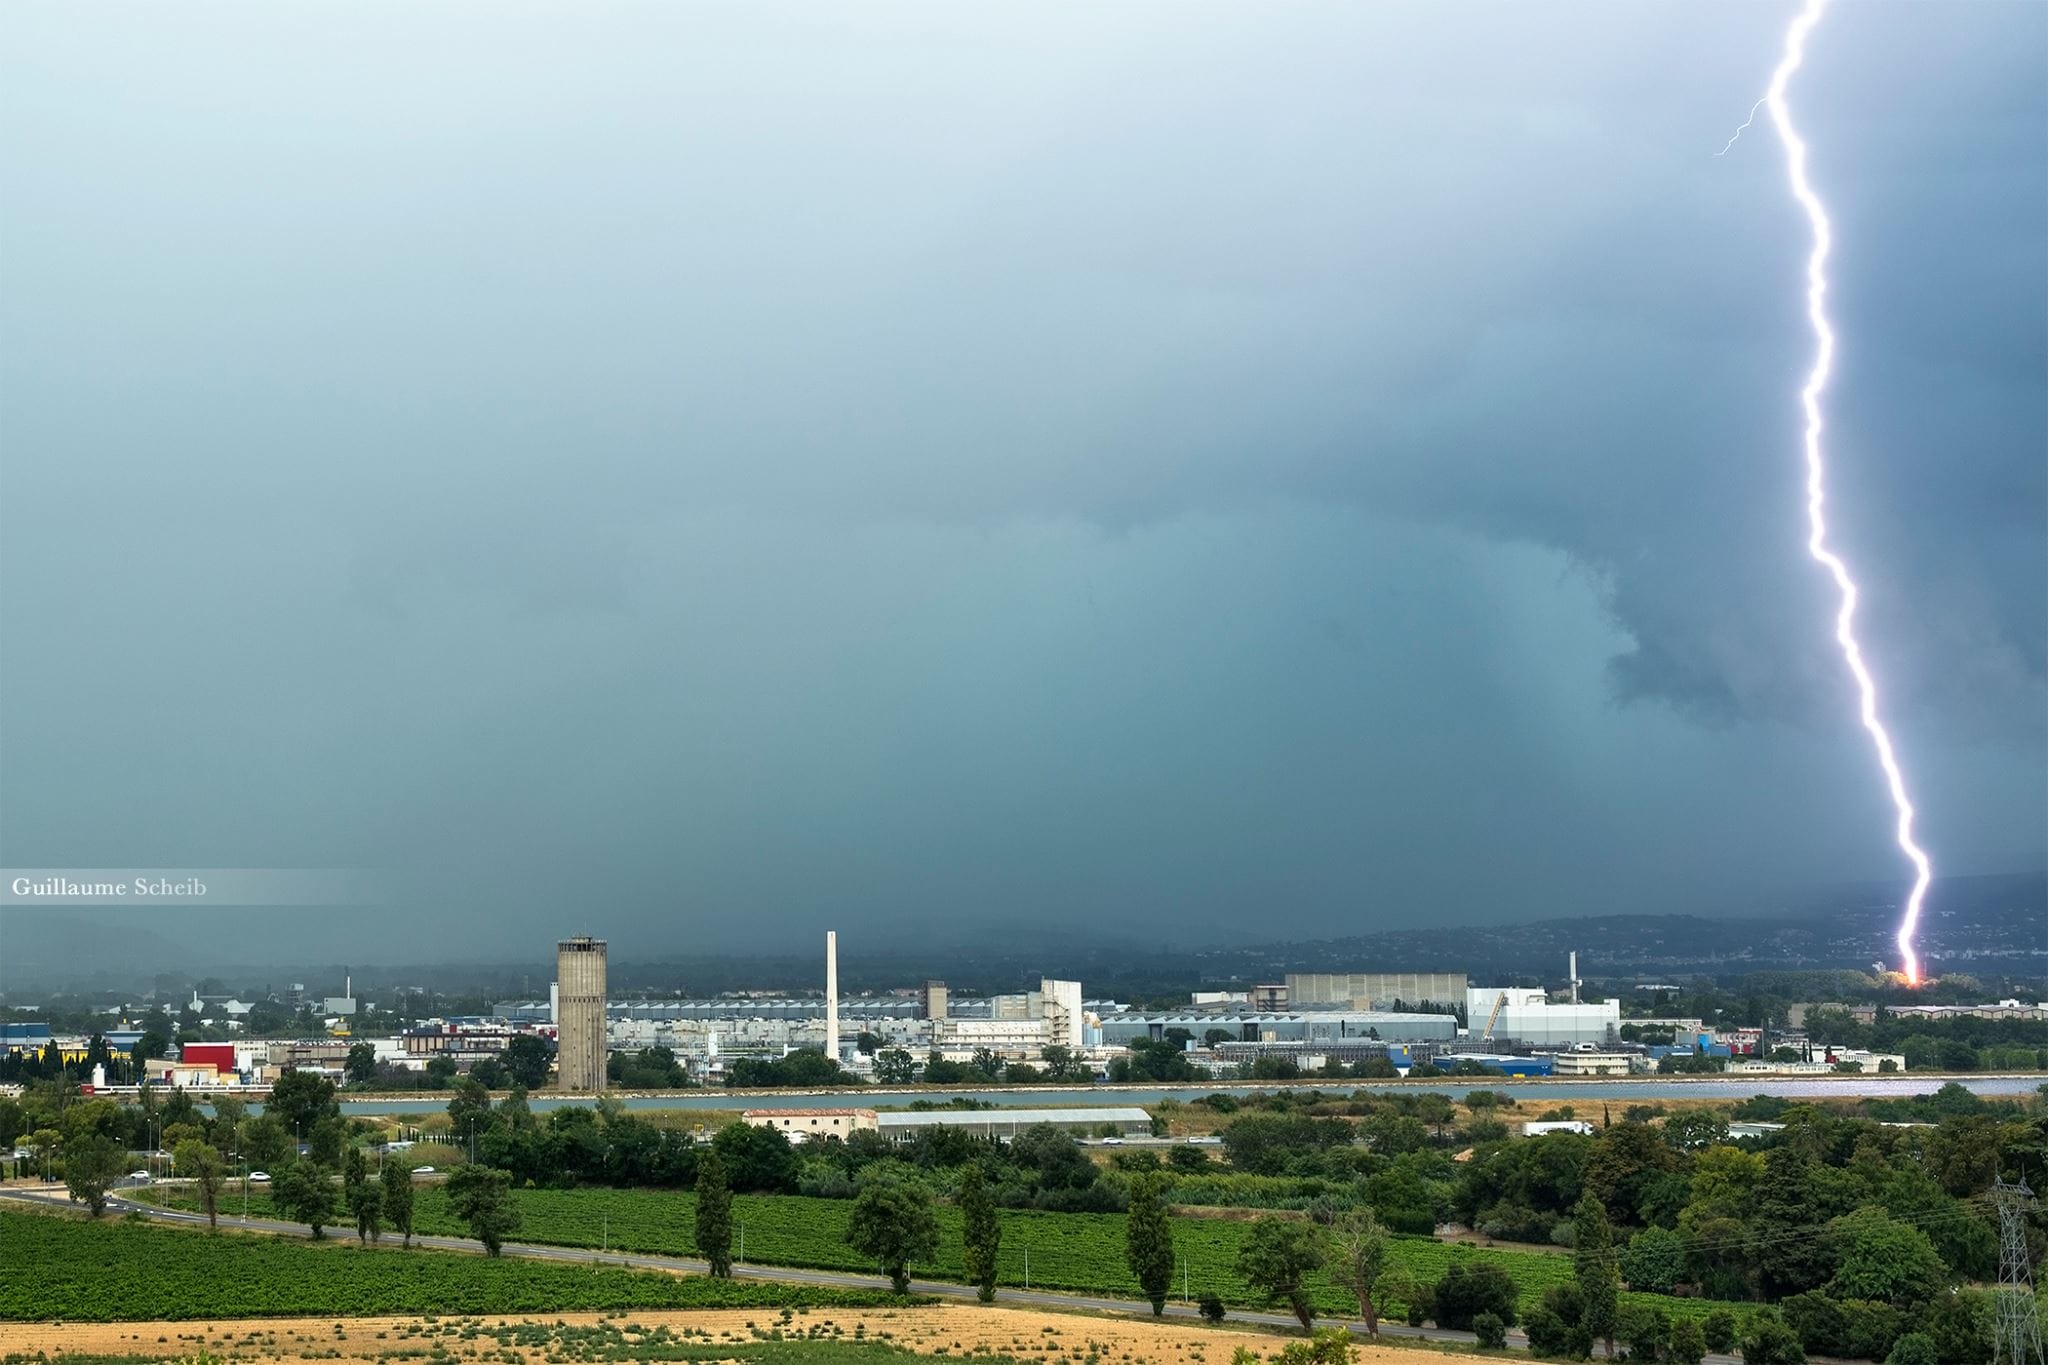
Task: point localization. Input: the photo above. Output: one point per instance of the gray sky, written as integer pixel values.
(698, 473)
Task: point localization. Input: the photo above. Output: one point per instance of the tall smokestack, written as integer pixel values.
(832, 994)
(1575, 976)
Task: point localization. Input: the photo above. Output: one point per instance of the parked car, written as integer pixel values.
(259, 1177)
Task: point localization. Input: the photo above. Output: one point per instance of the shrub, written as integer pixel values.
(1688, 1345)
(1331, 1346)
(1819, 1322)
(1466, 1291)
(1491, 1331)
(1654, 1260)
(1914, 1348)
(1960, 1327)
(1558, 1326)
(1211, 1308)
(1770, 1340)
(1718, 1329)
(1647, 1332)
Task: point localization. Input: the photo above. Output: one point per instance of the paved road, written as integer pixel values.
(835, 1279)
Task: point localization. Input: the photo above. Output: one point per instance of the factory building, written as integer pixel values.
(1322, 1026)
(1373, 990)
(1004, 1124)
(796, 1009)
(580, 1013)
(801, 1125)
(1509, 1064)
(1525, 1015)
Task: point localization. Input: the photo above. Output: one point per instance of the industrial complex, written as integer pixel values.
(1360, 1024)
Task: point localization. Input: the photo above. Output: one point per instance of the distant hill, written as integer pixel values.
(1990, 926)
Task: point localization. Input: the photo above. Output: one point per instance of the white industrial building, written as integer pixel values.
(1373, 990)
(1312, 1026)
(1526, 1015)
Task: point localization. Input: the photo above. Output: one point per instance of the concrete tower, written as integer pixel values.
(832, 994)
(579, 1013)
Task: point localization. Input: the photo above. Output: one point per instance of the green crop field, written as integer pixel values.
(56, 1267)
(1078, 1251)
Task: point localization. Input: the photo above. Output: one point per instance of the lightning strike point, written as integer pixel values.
(1816, 483)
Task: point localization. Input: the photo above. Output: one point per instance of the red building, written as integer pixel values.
(219, 1055)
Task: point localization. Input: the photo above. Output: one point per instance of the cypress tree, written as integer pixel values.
(981, 1230)
(1594, 1267)
(1149, 1240)
(714, 1213)
(397, 1182)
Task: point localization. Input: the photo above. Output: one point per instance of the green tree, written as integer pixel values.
(1792, 1207)
(396, 1181)
(1646, 1330)
(1688, 1344)
(1491, 1331)
(301, 1099)
(202, 1164)
(324, 1141)
(1770, 1340)
(1557, 1324)
(894, 1066)
(892, 1221)
(714, 1213)
(1885, 1260)
(266, 1141)
(1466, 1291)
(981, 1232)
(1654, 1260)
(757, 1160)
(1148, 1240)
(1719, 1329)
(1914, 1348)
(481, 1196)
(1358, 1261)
(92, 1164)
(302, 1191)
(361, 1066)
(469, 1112)
(1594, 1269)
(1960, 1326)
(1276, 1259)
(527, 1060)
(363, 1196)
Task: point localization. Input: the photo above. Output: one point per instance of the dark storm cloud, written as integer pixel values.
(759, 466)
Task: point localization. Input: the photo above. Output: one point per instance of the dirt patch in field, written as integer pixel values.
(1028, 1335)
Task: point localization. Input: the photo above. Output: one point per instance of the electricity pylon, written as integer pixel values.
(2018, 1340)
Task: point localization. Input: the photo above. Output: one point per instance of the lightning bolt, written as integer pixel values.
(1736, 136)
(1817, 530)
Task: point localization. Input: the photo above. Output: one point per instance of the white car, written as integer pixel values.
(138, 1175)
(423, 1170)
(259, 1177)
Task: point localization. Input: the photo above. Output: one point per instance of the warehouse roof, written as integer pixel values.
(1020, 1118)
